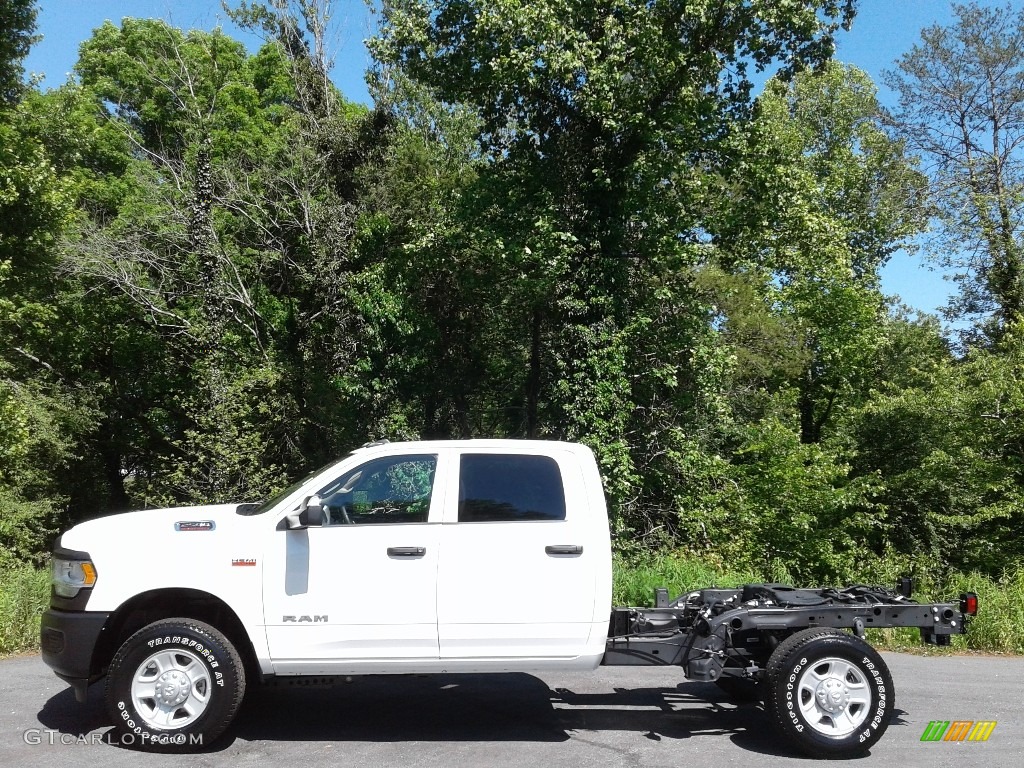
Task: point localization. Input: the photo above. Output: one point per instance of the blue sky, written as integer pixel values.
(882, 31)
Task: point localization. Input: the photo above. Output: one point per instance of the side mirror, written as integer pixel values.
(309, 514)
(314, 511)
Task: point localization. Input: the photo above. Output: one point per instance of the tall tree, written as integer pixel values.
(961, 106)
(167, 229)
(41, 413)
(233, 243)
(605, 121)
(17, 33)
(822, 201)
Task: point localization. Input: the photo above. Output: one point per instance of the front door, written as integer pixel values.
(361, 589)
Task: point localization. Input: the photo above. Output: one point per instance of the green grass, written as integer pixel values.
(998, 628)
(24, 594)
(1000, 623)
(635, 582)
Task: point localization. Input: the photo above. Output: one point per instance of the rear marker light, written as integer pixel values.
(969, 603)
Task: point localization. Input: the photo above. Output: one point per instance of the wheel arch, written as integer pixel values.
(158, 604)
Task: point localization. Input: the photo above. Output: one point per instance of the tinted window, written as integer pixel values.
(395, 489)
(508, 488)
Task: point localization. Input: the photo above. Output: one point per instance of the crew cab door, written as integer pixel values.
(361, 588)
(519, 565)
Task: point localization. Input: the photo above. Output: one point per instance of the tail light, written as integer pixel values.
(969, 604)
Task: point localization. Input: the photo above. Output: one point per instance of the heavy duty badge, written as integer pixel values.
(195, 525)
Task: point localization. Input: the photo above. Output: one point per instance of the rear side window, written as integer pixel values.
(509, 488)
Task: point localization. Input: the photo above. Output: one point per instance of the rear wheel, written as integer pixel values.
(829, 692)
(174, 685)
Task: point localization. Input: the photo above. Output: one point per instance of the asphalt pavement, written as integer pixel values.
(616, 716)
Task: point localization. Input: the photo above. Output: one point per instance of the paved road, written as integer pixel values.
(613, 717)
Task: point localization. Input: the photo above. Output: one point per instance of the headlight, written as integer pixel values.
(70, 576)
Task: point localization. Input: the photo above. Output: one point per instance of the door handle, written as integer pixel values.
(407, 551)
(564, 549)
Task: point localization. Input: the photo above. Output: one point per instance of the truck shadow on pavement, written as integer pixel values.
(463, 708)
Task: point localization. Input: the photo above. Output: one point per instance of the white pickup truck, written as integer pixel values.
(442, 556)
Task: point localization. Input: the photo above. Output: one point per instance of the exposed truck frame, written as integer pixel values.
(828, 690)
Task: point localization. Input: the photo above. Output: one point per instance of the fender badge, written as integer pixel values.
(196, 525)
(244, 562)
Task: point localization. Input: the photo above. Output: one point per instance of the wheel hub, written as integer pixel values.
(832, 695)
(172, 688)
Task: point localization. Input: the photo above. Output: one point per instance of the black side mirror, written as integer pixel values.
(309, 514)
(314, 511)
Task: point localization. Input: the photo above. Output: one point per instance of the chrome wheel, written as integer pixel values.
(171, 689)
(829, 692)
(834, 696)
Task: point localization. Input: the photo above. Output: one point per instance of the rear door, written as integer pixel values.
(518, 565)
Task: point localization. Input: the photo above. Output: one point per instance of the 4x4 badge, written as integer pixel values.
(246, 561)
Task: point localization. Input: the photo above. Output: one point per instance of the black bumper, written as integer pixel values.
(67, 640)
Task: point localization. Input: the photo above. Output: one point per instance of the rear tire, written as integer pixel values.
(829, 692)
(174, 686)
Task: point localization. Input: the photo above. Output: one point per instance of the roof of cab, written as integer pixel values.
(526, 446)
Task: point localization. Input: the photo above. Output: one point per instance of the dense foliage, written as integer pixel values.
(561, 219)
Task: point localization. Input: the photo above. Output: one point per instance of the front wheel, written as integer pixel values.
(174, 685)
(829, 692)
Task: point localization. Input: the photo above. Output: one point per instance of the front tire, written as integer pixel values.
(829, 692)
(174, 686)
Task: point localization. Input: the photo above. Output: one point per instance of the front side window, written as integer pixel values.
(507, 488)
(394, 489)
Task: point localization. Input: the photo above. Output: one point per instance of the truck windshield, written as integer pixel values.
(265, 506)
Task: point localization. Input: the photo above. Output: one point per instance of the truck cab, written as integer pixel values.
(426, 556)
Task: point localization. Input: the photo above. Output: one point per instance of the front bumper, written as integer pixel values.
(67, 640)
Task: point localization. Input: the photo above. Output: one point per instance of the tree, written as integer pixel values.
(42, 416)
(942, 441)
(299, 28)
(818, 201)
(231, 247)
(17, 33)
(604, 122)
(166, 217)
(962, 107)
(823, 198)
